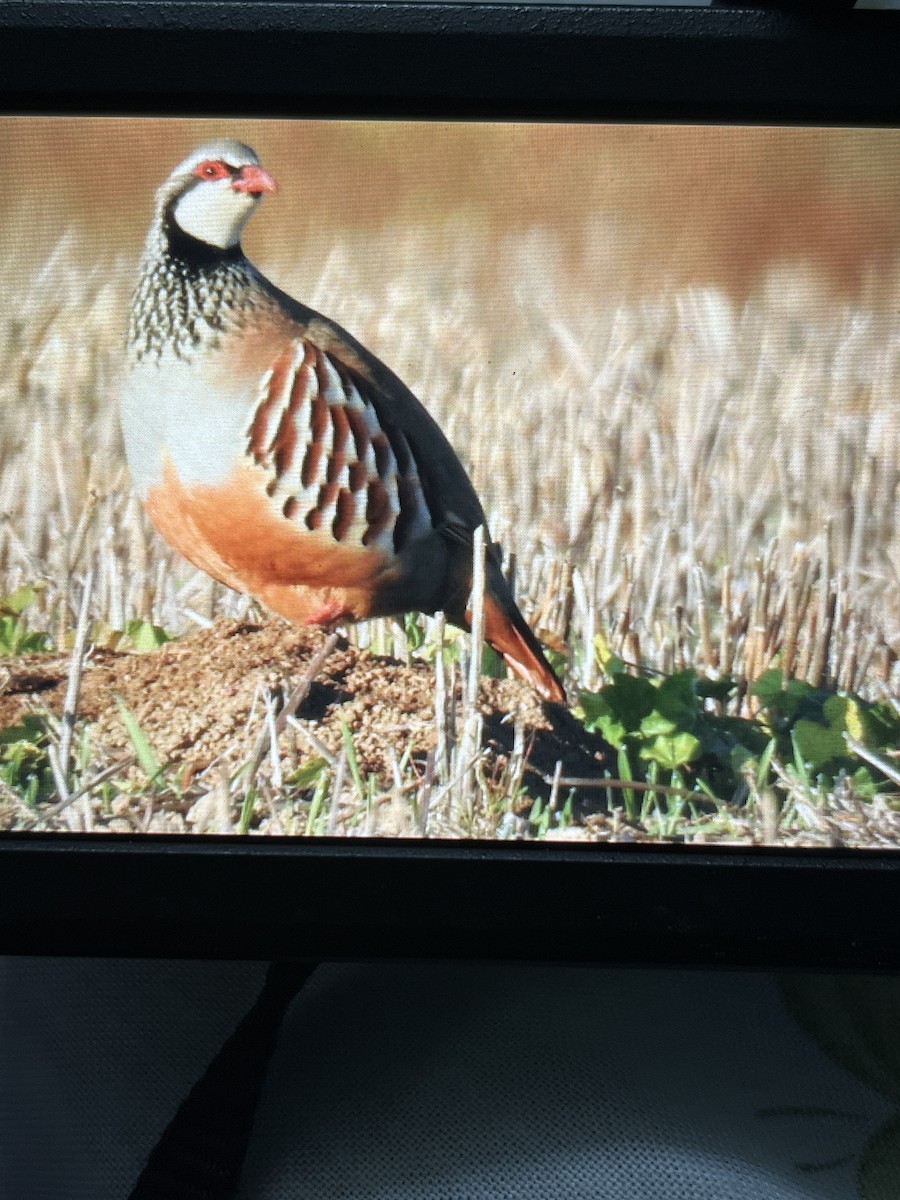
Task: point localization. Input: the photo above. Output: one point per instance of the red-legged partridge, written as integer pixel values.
(274, 451)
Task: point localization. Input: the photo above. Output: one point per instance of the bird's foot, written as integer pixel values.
(330, 615)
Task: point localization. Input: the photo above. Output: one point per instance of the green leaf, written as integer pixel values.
(492, 664)
(15, 638)
(247, 808)
(715, 689)
(534, 816)
(146, 755)
(769, 686)
(599, 716)
(35, 643)
(558, 659)
(608, 662)
(765, 764)
(864, 783)
(672, 752)
(104, 636)
(21, 598)
(795, 698)
(629, 796)
(677, 699)
(731, 739)
(799, 764)
(145, 636)
(353, 760)
(818, 744)
(309, 774)
(821, 744)
(656, 725)
(415, 633)
(24, 764)
(632, 698)
(846, 714)
(883, 722)
(317, 808)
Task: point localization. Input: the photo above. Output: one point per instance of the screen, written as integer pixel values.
(450, 480)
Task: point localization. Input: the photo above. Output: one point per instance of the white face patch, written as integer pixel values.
(213, 212)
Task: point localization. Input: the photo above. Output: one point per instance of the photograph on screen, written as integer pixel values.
(422, 479)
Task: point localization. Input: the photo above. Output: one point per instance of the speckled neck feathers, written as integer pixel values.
(189, 294)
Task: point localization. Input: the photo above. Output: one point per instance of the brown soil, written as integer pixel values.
(201, 703)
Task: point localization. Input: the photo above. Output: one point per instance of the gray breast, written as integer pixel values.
(170, 407)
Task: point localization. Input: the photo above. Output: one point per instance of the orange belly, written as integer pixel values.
(235, 533)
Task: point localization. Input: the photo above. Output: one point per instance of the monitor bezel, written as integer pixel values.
(230, 897)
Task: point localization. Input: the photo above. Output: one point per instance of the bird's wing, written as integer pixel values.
(334, 462)
(448, 492)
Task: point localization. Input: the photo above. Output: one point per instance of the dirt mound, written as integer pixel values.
(201, 703)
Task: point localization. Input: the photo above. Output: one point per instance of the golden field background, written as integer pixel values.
(630, 207)
(669, 357)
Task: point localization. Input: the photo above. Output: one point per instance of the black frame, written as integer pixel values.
(257, 898)
(354, 898)
(284, 58)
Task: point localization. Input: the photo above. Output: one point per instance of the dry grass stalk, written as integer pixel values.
(877, 760)
(273, 726)
(70, 704)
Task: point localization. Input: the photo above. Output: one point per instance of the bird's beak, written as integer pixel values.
(253, 180)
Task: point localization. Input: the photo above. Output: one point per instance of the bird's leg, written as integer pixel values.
(332, 613)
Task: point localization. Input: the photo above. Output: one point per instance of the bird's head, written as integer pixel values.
(211, 194)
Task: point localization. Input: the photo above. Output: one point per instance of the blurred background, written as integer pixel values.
(632, 208)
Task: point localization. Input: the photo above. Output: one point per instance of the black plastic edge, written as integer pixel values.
(349, 898)
(491, 60)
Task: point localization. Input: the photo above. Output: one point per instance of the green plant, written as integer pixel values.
(671, 732)
(147, 757)
(24, 762)
(15, 635)
(812, 725)
(140, 636)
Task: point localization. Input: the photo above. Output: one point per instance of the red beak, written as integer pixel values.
(254, 180)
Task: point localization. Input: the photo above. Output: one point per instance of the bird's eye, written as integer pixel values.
(212, 170)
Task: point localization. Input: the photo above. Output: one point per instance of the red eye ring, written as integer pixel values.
(212, 168)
